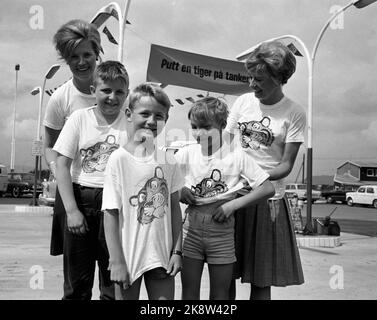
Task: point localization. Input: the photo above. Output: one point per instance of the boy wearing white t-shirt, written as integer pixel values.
(143, 219)
(84, 145)
(213, 170)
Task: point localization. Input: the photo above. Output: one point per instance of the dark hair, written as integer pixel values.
(149, 90)
(111, 71)
(273, 58)
(72, 33)
(209, 110)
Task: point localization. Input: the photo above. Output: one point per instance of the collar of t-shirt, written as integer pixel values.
(148, 158)
(78, 92)
(94, 118)
(274, 106)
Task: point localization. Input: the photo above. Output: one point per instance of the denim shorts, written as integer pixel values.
(208, 240)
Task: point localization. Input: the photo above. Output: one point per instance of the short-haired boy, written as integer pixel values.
(84, 145)
(213, 170)
(143, 220)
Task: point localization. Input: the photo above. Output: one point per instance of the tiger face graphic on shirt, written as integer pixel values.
(152, 200)
(256, 133)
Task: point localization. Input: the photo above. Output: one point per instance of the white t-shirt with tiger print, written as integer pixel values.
(90, 145)
(63, 102)
(263, 130)
(141, 188)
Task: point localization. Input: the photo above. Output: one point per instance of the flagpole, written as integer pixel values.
(13, 142)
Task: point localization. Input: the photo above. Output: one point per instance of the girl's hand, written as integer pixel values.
(222, 213)
(76, 222)
(175, 265)
(187, 196)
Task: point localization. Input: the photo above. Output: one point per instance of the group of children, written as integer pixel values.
(122, 200)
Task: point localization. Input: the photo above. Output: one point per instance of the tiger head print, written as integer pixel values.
(152, 200)
(256, 133)
(210, 187)
(95, 157)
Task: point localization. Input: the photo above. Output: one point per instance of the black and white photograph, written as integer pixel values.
(198, 151)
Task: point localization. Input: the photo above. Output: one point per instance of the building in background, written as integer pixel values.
(352, 174)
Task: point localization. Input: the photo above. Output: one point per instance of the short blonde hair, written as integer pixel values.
(209, 110)
(273, 58)
(149, 90)
(111, 71)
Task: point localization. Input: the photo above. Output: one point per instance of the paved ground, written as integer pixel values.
(345, 272)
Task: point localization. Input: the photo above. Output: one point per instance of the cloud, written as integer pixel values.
(370, 133)
(25, 129)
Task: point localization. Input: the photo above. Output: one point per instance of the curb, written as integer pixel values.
(30, 209)
(318, 241)
(17, 209)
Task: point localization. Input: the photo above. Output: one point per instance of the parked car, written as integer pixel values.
(22, 183)
(3, 181)
(299, 189)
(332, 196)
(363, 195)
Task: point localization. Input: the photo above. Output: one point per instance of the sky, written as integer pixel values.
(345, 70)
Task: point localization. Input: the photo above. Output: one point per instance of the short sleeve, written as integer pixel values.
(68, 140)
(250, 170)
(111, 197)
(54, 116)
(182, 159)
(297, 125)
(232, 121)
(177, 180)
(181, 156)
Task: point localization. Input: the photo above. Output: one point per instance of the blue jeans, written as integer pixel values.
(80, 252)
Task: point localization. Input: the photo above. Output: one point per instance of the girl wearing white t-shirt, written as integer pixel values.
(78, 43)
(270, 128)
(213, 175)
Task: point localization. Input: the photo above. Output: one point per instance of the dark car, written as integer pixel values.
(332, 196)
(22, 183)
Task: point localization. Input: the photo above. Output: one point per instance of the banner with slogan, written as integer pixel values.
(191, 70)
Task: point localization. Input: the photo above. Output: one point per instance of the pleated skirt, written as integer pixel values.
(266, 247)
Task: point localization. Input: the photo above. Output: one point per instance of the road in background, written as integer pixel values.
(27, 271)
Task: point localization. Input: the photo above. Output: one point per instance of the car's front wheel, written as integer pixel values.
(350, 202)
(330, 200)
(375, 203)
(16, 193)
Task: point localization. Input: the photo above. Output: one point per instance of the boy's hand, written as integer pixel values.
(76, 222)
(175, 265)
(187, 196)
(222, 213)
(118, 273)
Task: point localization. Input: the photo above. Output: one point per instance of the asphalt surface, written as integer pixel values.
(24, 254)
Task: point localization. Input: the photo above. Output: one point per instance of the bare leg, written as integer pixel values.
(191, 276)
(220, 277)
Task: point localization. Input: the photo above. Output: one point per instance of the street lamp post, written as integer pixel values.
(358, 4)
(113, 9)
(37, 145)
(13, 141)
(310, 61)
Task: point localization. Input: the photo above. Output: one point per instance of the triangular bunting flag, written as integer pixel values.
(294, 50)
(109, 35)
